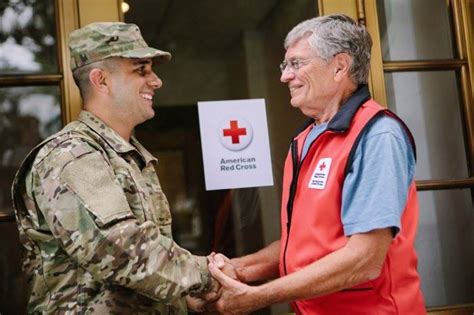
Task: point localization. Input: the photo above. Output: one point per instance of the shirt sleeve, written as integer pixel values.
(376, 186)
(88, 214)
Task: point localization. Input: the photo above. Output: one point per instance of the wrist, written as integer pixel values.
(206, 279)
(267, 294)
(240, 269)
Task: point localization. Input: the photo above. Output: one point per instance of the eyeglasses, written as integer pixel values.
(293, 64)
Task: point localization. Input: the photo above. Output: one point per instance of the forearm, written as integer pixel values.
(132, 255)
(149, 263)
(261, 265)
(359, 261)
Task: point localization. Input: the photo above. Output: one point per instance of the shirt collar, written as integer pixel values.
(115, 141)
(342, 120)
(147, 156)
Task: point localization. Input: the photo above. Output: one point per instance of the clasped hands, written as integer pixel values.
(225, 291)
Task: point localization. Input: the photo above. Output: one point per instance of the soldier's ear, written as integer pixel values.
(98, 80)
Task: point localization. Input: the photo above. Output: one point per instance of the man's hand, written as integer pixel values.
(236, 297)
(225, 265)
(198, 302)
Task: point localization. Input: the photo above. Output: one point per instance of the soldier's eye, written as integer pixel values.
(141, 70)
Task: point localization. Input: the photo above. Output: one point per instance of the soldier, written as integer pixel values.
(92, 217)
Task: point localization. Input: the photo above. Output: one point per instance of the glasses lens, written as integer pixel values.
(283, 66)
(295, 64)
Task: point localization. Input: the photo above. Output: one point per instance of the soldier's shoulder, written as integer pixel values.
(64, 148)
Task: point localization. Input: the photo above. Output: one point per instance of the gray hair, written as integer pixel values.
(333, 34)
(81, 74)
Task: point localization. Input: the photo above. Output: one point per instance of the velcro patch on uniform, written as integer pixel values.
(92, 181)
(320, 175)
(81, 150)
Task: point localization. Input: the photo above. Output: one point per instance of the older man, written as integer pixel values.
(92, 217)
(349, 204)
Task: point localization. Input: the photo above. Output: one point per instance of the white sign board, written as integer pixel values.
(235, 146)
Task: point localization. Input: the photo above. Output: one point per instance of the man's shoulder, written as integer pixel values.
(384, 137)
(385, 124)
(67, 145)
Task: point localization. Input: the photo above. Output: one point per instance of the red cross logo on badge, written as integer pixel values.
(322, 166)
(235, 133)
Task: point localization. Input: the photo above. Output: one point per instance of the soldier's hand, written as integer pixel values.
(195, 304)
(214, 292)
(198, 301)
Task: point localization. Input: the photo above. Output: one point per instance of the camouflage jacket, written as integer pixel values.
(96, 227)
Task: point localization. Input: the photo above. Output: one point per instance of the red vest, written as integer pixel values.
(315, 228)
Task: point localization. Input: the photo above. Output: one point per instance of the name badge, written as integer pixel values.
(320, 175)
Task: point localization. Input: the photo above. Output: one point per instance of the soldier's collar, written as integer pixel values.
(147, 156)
(115, 141)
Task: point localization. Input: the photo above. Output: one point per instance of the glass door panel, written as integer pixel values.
(429, 103)
(27, 116)
(414, 35)
(419, 29)
(28, 41)
(444, 244)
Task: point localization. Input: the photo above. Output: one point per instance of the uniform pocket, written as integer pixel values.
(160, 204)
(93, 181)
(133, 193)
(160, 208)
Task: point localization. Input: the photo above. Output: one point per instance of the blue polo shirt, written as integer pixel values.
(376, 186)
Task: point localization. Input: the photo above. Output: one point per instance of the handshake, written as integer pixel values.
(226, 288)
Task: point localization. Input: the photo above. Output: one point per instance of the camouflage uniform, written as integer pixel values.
(97, 227)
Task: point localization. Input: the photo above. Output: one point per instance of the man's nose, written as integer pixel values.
(155, 81)
(287, 75)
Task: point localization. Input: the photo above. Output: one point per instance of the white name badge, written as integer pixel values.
(320, 175)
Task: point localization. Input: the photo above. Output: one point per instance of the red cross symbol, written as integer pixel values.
(322, 166)
(235, 132)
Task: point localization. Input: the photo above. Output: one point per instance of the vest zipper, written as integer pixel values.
(293, 187)
(291, 198)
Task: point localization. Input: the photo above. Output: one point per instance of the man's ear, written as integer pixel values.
(342, 66)
(98, 80)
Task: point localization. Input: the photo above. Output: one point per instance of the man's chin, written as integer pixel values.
(294, 103)
(147, 116)
(150, 114)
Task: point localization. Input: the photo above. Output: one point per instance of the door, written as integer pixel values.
(422, 56)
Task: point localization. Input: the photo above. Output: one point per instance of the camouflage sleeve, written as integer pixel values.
(88, 214)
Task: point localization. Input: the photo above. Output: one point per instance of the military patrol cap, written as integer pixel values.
(98, 41)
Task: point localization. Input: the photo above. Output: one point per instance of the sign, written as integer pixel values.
(235, 146)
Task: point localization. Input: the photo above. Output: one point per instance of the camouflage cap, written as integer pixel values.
(98, 41)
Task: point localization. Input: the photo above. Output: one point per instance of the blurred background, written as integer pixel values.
(422, 56)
